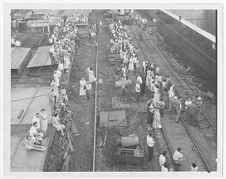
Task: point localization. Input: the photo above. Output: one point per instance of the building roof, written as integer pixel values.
(18, 55)
(41, 57)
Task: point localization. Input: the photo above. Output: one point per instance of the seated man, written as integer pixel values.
(178, 157)
(36, 119)
(56, 123)
(36, 136)
(30, 145)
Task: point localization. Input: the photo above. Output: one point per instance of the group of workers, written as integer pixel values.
(160, 90)
(64, 41)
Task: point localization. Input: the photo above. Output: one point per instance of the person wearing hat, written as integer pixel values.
(194, 167)
(200, 107)
(151, 144)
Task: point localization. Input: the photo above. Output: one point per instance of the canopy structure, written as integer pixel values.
(19, 58)
(75, 12)
(40, 58)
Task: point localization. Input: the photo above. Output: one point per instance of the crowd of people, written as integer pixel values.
(65, 43)
(159, 88)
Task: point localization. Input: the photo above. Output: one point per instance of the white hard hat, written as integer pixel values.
(199, 98)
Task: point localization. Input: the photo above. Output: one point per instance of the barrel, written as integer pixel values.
(129, 141)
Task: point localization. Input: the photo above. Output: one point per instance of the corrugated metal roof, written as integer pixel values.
(18, 55)
(41, 57)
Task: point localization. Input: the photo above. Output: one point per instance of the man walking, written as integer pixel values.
(151, 144)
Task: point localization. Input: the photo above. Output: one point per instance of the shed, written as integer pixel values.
(20, 56)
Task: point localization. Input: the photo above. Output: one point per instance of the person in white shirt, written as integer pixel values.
(151, 144)
(43, 120)
(178, 157)
(82, 88)
(162, 158)
(36, 119)
(17, 43)
(188, 102)
(194, 167)
(91, 76)
(36, 136)
(137, 90)
(139, 79)
(61, 66)
(59, 73)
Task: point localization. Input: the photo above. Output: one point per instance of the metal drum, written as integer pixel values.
(129, 141)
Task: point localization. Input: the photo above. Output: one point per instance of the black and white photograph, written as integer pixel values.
(114, 89)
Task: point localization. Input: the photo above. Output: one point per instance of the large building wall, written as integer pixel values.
(204, 19)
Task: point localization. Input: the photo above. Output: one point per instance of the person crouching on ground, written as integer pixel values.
(36, 136)
(194, 167)
(178, 157)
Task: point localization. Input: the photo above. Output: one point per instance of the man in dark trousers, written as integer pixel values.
(151, 144)
(150, 114)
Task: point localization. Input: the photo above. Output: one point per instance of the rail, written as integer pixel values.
(180, 81)
(95, 100)
(186, 128)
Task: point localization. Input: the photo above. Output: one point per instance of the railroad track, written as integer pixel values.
(95, 98)
(158, 58)
(172, 66)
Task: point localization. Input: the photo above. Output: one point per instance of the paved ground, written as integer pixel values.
(176, 133)
(22, 100)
